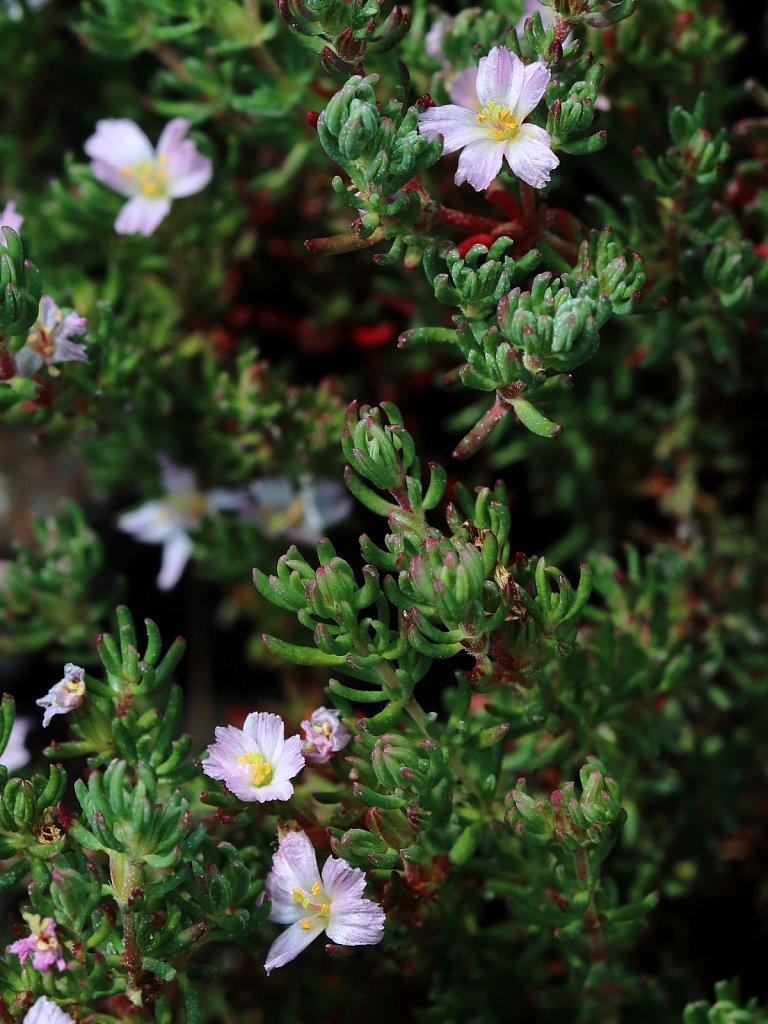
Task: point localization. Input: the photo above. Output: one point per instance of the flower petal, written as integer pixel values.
(67, 351)
(72, 324)
(266, 732)
(355, 923)
(240, 782)
(535, 81)
(141, 215)
(176, 552)
(45, 1011)
(342, 881)
(119, 142)
(114, 177)
(289, 762)
(293, 866)
(289, 944)
(462, 89)
(10, 218)
(479, 163)
(188, 170)
(177, 480)
(457, 125)
(27, 361)
(153, 522)
(48, 313)
(500, 77)
(529, 155)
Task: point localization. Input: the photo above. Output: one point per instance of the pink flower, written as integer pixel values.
(48, 341)
(325, 734)
(169, 520)
(41, 945)
(486, 119)
(64, 696)
(9, 218)
(255, 762)
(122, 158)
(16, 755)
(303, 511)
(45, 1011)
(312, 904)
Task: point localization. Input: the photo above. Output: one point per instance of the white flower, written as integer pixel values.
(168, 521)
(122, 158)
(302, 513)
(45, 1011)
(325, 734)
(255, 762)
(16, 755)
(64, 696)
(486, 121)
(48, 340)
(312, 904)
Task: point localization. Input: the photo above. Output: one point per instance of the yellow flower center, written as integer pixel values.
(75, 687)
(498, 122)
(150, 176)
(261, 770)
(316, 901)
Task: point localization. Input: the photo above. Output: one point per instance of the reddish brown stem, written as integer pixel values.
(481, 431)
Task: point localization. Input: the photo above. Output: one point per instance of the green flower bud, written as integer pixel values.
(393, 827)
(395, 762)
(359, 848)
(19, 799)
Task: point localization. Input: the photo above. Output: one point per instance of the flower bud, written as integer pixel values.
(325, 734)
(393, 827)
(392, 753)
(19, 798)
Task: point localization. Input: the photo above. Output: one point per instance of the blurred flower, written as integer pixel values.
(486, 121)
(41, 946)
(122, 158)
(255, 762)
(48, 340)
(168, 521)
(311, 904)
(301, 513)
(16, 755)
(433, 40)
(325, 734)
(9, 218)
(45, 1011)
(64, 696)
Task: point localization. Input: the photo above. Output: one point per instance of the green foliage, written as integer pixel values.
(48, 593)
(728, 1007)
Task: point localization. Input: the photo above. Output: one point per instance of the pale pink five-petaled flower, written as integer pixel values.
(256, 762)
(170, 520)
(325, 734)
(64, 696)
(487, 121)
(41, 945)
(122, 158)
(311, 904)
(45, 1011)
(49, 340)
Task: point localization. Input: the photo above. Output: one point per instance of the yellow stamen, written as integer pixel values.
(261, 770)
(498, 121)
(306, 924)
(75, 687)
(150, 175)
(315, 888)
